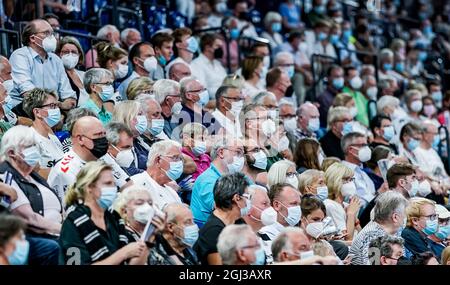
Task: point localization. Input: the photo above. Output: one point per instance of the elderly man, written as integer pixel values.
(369, 87)
(155, 121)
(335, 83)
(331, 141)
(120, 139)
(288, 116)
(5, 74)
(388, 249)
(229, 103)
(239, 245)
(291, 244)
(308, 121)
(89, 143)
(269, 101)
(227, 156)
(255, 161)
(167, 94)
(164, 165)
(107, 33)
(285, 210)
(278, 83)
(427, 157)
(129, 37)
(174, 245)
(356, 152)
(178, 71)
(143, 61)
(36, 65)
(389, 216)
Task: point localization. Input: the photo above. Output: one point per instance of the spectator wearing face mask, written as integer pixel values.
(291, 15)
(435, 91)
(390, 250)
(14, 249)
(239, 245)
(173, 246)
(232, 202)
(98, 82)
(36, 65)
(42, 106)
(229, 102)
(129, 37)
(184, 45)
(273, 22)
(255, 161)
(252, 71)
(369, 89)
(342, 204)
(90, 197)
(413, 100)
(72, 55)
(384, 133)
(353, 87)
(269, 101)
(308, 122)
(227, 156)
(37, 203)
(422, 222)
(345, 100)
(283, 171)
(207, 67)
(108, 33)
(427, 157)
(288, 116)
(387, 66)
(307, 155)
(219, 8)
(429, 111)
(143, 63)
(167, 94)
(318, 13)
(279, 83)
(155, 121)
(410, 137)
(284, 211)
(321, 43)
(338, 117)
(163, 45)
(240, 10)
(335, 83)
(389, 219)
(312, 181)
(438, 240)
(178, 71)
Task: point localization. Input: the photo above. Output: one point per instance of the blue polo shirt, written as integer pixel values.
(202, 200)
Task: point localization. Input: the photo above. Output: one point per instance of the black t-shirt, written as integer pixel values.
(391, 146)
(331, 145)
(208, 237)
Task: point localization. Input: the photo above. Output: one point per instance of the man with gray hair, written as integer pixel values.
(229, 103)
(178, 71)
(167, 93)
(269, 101)
(291, 244)
(5, 74)
(337, 118)
(385, 250)
(164, 165)
(389, 219)
(155, 121)
(108, 33)
(239, 245)
(308, 121)
(227, 156)
(129, 37)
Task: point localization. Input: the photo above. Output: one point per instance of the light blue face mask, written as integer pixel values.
(234, 33)
(400, 67)
(320, 9)
(388, 133)
(53, 118)
(322, 36)
(338, 83)
(423, 56)
(290, 70)
(175, 170)
(387, 66)
(141, 124)
(7, 106)
(199, 148)
(348, 128)
(334, 39)
(31, 155)
(443, 232)
(20, 254)
(276, 27)
(107, 197)
(236, 165)
(413, 144)
(436, 141)
(204, 98)
(247, 208)
(431, 227)
(322, 192)
(157, 126)
(162, 60)
(107, 93)
(346, 35)
(260, 257)
(192, 45)
(190, 235)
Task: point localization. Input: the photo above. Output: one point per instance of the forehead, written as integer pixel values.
(146, 49)
(173, 150)
(250, 143)
(42, 25)
(428, 209)
(69, 46)
(287, 108)
(299, 240)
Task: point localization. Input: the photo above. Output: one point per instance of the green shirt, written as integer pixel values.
(4, 126)
(361, 105)
(103, 115)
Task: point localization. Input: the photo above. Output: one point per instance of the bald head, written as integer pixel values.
(306, 112)
(5, 69)
(179, 71)
(86, 125)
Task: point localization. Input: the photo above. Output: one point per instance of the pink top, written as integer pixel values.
(91, 58)
(203, 161)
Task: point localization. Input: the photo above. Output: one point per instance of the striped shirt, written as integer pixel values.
(360, 244)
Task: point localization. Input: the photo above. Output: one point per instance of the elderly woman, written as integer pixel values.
(135, 206)
(72, 55)
(97, 233)
(312, 181)
(132, 115)
(14, 248)
(98, 82)
(138, 86)
(42, 106)
(341, 187)
(194, 137)
(273, 25)
(283, 171)
(307, 155)
(413, 100)
(36, 202)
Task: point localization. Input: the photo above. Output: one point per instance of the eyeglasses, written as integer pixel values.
(393, 258)
(196, 91)
(291, 174)
(50, 105)
(239, 153)
(232, 99)
(348, 179)
(46, 33)
(257, 246)
(255, 150)
(174, 158)
(431, 217)
(360, 145)
(105, 84)
(288, 116)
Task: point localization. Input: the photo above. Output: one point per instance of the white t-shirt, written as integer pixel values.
(161, 195)
(429, 161)
(51, 204)
(337, 213)
(50, 148)
(209, 73)
(119, 174)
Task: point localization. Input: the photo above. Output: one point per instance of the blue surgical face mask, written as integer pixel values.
(400, 67)
(204, 98)
(192, 45)
(260, 160)
(322, 192)
(20, 254)
(294, 215)
(314, 125)
(320, 9)
(443, 232)
(157, 126)
(236, 165)
(347, 128)
(428, 30)
(322, 36)
(387, 66)
(431, 227)
(260, 257)
(175, 170)
(276, 27)
(334, 39)
(248, 206)
(31, 155)
(190, 235)
(436, 141)
(162, 60)
(107, 197)
(199, 148)
(141, 125)
(413, 144)
(53, 118)
(234, 33)
(423, 56)
(290, 70)
(338, 83)
(388, 133)
(107, 93)
(346, 35)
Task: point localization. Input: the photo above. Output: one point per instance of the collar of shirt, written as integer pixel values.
(35, 55)
(353, 166)
(214, 169)
(230, 126)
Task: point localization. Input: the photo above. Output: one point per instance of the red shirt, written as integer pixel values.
(202, 161)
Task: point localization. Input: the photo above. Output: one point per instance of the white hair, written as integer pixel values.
(184, 85)
(94, 76)
(144, 99)
(387, 101)
(282, 57)
(105, 30)
(259, 98)
(231, 239)
(270, 17)
(222, 142)
(124, 34)
(128, 194)
(161, 148)
(277, 173)
(14, 139)
(386, 53)
(164, 87)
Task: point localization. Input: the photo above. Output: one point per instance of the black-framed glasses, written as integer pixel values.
(196, 91)
(105, 83)
(348, 179)
(240, 152)
(431, 217)
(51, 105)
(47, 33)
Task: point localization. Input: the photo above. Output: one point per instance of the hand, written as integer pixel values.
(159, 223)
(134, 249)
(68, 104)
(348, 259)
(353, 207)
(7, 190)
(383, 188)
(328, 260)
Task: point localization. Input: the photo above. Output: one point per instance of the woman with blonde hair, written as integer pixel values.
(446, 256)
(312, 181)
(97, 232)
(138, 86)
(346, 100)
(112, 58)
(328, 161)
(283, 171)
(135, 206)
(342, 203)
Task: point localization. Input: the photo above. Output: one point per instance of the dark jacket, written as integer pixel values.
(415, 242)
(331, 145)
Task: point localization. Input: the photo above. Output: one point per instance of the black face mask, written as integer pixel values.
(289, 91)
(243, 16)
(218, 53)
(100, 147)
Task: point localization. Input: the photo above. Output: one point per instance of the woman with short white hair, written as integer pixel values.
(273, 23)
(283, 171)
(36, 201)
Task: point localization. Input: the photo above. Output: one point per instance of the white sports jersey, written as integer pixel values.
(50, 148)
